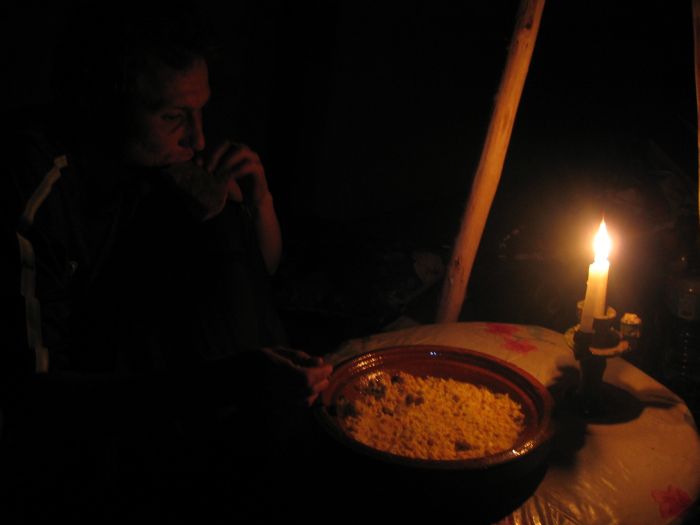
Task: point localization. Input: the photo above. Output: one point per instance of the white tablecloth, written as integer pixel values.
(643, 469)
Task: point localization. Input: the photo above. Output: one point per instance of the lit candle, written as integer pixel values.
(594, 304)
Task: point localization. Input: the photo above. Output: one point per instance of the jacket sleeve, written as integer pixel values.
(21, 186)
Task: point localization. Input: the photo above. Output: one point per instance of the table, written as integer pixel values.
(640, 464)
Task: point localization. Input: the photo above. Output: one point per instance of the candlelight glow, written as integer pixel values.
(594, 305)
(601, 243)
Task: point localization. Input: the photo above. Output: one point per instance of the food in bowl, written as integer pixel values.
(430, 417)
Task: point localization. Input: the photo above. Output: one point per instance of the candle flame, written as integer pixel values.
(601, 243)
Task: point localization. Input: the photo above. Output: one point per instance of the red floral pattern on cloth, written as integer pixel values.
(510, 340)
(672, 501)
(519, 346)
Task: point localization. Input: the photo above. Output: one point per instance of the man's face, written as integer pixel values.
(169, 131)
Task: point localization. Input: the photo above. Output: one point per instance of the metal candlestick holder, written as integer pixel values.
(592, 350)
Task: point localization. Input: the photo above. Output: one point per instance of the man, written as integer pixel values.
(143, 259)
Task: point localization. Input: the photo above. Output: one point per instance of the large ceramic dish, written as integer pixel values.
(440, 361)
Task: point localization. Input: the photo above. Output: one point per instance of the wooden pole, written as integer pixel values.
(696, 42)
(490, 166)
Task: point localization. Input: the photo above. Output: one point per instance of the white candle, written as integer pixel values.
(594, 304)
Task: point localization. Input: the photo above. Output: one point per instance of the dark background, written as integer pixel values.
(370, 119)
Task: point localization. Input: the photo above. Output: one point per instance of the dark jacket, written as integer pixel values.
(120, 263)
(150, 320)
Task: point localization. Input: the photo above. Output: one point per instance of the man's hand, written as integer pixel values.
(245, 182)
(231, 171)
(242, 169)
(296, 376)
(205, 194)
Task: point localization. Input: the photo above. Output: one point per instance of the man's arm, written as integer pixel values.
(247, 184)
(232, 171)
(267, 229)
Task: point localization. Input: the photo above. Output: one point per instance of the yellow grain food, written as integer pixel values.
(431, 417)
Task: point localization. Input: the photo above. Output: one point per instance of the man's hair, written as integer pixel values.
(103, 54)
(170, 42)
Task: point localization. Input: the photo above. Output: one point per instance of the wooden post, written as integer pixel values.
(696, 42)
(490, 166)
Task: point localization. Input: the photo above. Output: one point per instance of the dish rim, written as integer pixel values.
(533, 438)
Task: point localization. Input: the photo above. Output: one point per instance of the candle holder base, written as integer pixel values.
(617, 344)
(592, 350)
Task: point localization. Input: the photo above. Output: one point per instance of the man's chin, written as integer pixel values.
(176, 161)
(176, 165)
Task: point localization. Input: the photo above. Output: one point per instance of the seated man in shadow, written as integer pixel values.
(144, 365)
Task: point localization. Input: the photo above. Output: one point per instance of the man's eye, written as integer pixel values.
(172, 117)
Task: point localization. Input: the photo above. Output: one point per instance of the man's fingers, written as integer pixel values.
(318, 374)
(213, 159)
(318, 388)
(227, 147)
(298, 357)
(239, 163)
(300, 374)
(234, 191)
(304, 359)
(321, 386)
(207, 194)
